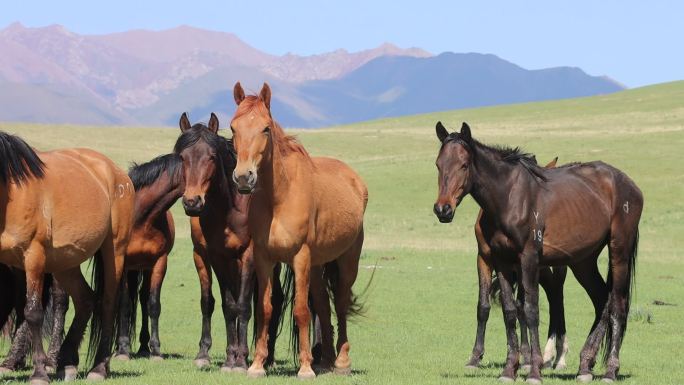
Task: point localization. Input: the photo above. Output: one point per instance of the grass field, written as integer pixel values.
(420, 323)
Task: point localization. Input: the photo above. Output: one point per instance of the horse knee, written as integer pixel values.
(207, 304)
(154, 307)
(302, 315)
(483, 311)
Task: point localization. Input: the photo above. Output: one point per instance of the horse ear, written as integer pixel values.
(213, 123)
(238, 93)
(465, 132)
(265, 95)
(552, 163)
(442, 132)
(184, 122)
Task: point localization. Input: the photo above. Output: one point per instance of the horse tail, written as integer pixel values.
(135, 278)
(49, 308)
(97, 283)
(630, 284)
(7, 300)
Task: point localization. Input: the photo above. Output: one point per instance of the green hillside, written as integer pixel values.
(421, 320)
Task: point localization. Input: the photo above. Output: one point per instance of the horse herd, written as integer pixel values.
(258, 202)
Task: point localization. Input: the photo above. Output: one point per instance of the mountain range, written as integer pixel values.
(141, 77)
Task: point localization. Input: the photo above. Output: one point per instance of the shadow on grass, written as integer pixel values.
(165, 356)
(290, 371)
(24, 376)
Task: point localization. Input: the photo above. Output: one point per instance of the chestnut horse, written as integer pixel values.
(551, 280)
(57, 210)
(306, 212)
(221, 240)
(158, 185)
(548, 217)
(12, 303)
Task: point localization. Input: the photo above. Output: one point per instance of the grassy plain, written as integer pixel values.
(421, 321)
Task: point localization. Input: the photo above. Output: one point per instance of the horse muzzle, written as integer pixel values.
(245, 182)
(193, 206)
(445, 213)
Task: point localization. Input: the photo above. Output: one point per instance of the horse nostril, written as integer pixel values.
(235, 178)
(446, 209)
(250, 173)
(436, 209)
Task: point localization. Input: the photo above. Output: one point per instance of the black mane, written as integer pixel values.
(143, 175)
(511, 155)
(225, 152)
(18, 161)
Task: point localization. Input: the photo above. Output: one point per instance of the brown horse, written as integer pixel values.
(551, 280)
(548, 217)
(306, 212)
(57, 210)
(158, 185)
(221, 240)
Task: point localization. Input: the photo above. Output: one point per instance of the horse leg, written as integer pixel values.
(301, 265)
(60, 305)
(244, 309)
(525, 352)
(144, 299)
(529, 282)
(321, 306)
(506, 277)
(589, 277)
(552, 282)
(34, 264)
(123, 343)
(484, 274)
(277, 302)
(622, 248)
(348, 269)
(154, 305)
(230, 311)
(207, 305)
(264, 310)
(77, 288)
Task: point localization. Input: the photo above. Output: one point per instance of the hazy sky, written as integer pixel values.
(635, 42)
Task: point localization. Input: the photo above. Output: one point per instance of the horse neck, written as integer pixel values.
(275, 179)
(154, 200)
(492, 183)
(220, 193)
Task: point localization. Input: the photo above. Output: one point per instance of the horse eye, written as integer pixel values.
(266, 130)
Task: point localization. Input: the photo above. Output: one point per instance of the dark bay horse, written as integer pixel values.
(221, 239)
(553, 217)
(57, 210)
(158, 185)
(551, 280)
(306, 212)
(12, 303)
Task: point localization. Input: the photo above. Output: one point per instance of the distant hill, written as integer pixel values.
(144, 77)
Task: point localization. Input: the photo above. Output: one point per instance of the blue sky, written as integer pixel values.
(635, 42)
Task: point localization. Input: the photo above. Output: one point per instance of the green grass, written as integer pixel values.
(421, 306)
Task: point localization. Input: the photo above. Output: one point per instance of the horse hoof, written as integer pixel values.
(50, 369)
(547, 365)
(585, 378)
(122, 357)
(95, 377)
(506, 380)
(256, 373)
(38, 381)
(69, 373)
(239, 370)
(533, 381)
(201, 363)
(306, 374)
(4, 370)
(561, 367)
(342, 371)
(607, 380)
(156, 358)
(472, 367)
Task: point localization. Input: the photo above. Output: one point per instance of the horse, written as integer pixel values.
(221, 239)
(562, 216)
(13, 287)
(551, 280)
(306, 212)
(58, 209)
(158, 185)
